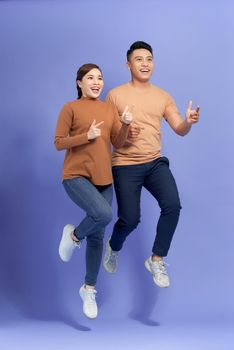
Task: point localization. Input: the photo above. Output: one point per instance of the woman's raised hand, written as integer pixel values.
(94, 130)
(126, 116)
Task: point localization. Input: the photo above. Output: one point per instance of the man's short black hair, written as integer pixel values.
(139, 45)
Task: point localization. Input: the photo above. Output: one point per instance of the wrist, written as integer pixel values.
(90, 137)
(187, 122)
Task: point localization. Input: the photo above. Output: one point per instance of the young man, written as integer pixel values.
(139, 162)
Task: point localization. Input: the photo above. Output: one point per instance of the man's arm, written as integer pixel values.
(182, 126)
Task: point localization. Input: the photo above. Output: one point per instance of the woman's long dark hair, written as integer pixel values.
(82, 71)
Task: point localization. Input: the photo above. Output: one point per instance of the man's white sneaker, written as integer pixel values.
(67, 244)
(110, 259)
(89, 303)
(159, 272)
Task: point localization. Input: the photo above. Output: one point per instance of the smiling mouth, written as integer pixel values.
(144, 70)
(95, 90)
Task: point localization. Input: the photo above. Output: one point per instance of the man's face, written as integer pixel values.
(141, 65)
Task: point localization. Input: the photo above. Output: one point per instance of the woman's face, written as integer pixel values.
(91, 84)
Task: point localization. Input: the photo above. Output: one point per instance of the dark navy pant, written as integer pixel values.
(157, 178)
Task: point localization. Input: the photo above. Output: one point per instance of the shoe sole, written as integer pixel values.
(147, 265)
(61, 253)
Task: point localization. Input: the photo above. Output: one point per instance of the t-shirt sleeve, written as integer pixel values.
(170, 108)
(109, 98)
(62, 139)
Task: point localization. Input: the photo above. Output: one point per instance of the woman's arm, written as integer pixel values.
(62, 138)
(119, 131)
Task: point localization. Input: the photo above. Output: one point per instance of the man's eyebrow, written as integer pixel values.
(150, 56)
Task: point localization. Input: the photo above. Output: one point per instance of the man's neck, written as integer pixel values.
(140, 84)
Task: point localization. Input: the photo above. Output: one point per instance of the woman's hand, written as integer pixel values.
(94, 130)
(126, 117)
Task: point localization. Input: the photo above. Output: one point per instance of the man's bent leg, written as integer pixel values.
(128, 184)
(128, 181)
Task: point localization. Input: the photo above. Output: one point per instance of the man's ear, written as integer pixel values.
(127, 65)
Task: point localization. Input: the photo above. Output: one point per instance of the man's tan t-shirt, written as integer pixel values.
(149, 107)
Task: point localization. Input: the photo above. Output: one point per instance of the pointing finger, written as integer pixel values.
(190, 104)
(99, 124)
(131, 108)
(93, 123)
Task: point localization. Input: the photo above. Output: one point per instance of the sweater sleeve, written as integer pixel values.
(119, 131)
(62, 139)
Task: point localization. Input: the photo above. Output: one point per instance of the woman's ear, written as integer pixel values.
(78, 83)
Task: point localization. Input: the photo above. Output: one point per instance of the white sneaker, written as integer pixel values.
(67, 244)
(159, 272)
(110, 259)
(89, 303)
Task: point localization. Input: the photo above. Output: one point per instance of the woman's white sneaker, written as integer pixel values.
(67, 244)
(88, 295)
(159, 272)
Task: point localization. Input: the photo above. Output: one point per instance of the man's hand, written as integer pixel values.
(94, 130)
(134, 131)
(126, 116)
(192, 115)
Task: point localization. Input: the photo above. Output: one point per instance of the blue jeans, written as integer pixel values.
(96, 202)
(157, 178)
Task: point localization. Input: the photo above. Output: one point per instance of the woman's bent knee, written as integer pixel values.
(104, 217)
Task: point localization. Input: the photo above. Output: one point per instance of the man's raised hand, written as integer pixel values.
(192, 115)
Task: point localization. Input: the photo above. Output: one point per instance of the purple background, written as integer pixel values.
(42, 45)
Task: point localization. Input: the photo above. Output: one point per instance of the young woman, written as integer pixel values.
(85, 129)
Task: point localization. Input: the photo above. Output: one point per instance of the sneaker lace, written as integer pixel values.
(113, 257)
(91, 295)
(160, 267)
(76, 244)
